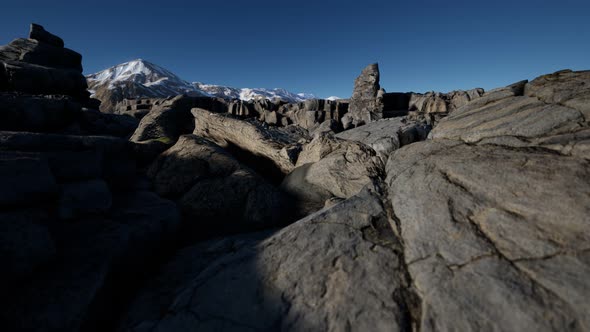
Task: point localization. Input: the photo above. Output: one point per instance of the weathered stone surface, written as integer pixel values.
(387, 135)
(39, 33)
(330, 167)
(329, 126)
(76, 289)
(79, 199)
(118, 155)
(523, 117)
(24, 245)
(35, 79)
(39, 53)
(566, 87)
(273, 144)
(489, 231)
(366, 102)
(35, 113)
(502, 117)
(75, 165)
(94, 122)
(431, 107)
(312, 275)
(25, 179)
(214, 191)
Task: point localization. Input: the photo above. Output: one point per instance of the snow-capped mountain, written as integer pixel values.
(251, 94)
(143, 79)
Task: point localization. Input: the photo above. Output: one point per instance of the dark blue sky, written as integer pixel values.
(321, 46)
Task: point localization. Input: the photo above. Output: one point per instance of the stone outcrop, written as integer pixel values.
(387, 135)
(279, 147)
(312, 275)
(330, 167)
(480, 226)
(41, 65)
(366, 103)
(431, 107)
(214, 191)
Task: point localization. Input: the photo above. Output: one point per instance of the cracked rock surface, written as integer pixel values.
(335, 270)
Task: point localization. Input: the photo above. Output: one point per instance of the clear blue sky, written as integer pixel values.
(321, 46)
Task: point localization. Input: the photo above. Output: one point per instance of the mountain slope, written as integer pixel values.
(143, 79)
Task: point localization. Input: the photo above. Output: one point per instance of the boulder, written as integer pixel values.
(94, 122)
(36, 113)
(330, 167)
(39, 33)
(495, 238)
(39, 53)
(387, 135)
(566, 87)
(118, 156)
(277, 146)
(366, 102)
(313, 275)
(40, 80)
(214, 191)
(522, 118)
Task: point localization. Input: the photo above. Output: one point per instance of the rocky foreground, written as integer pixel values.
(466, 211)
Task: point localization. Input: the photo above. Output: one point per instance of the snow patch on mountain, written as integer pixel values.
(163, 83)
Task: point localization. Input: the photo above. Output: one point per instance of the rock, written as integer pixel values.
(330, 167)
(566, 87)
(312, 275)
(40, 80)
(267, 143)
(431, 107)
(118, 156)
(497, 206)
(69, 166)
(366, 103)
(25, 179)
(513, 220)
(170, 118)
(80, 199)
(215, 192)
(521, 117)
(37, 32)
(98, 264)
(329, 126)
(163, 124)
(25, 245)
(387, 135)
(35, 113)
(39, 53)
(93, 122)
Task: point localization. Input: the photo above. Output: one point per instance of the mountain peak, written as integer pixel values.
(156, 81)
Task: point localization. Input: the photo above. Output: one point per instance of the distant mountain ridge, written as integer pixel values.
(140, 78)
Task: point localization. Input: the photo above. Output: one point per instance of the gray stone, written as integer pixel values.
(366, 102)
(316, 274)
(330, 167)
(267, 142)
(387, 135)
(495, 238)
